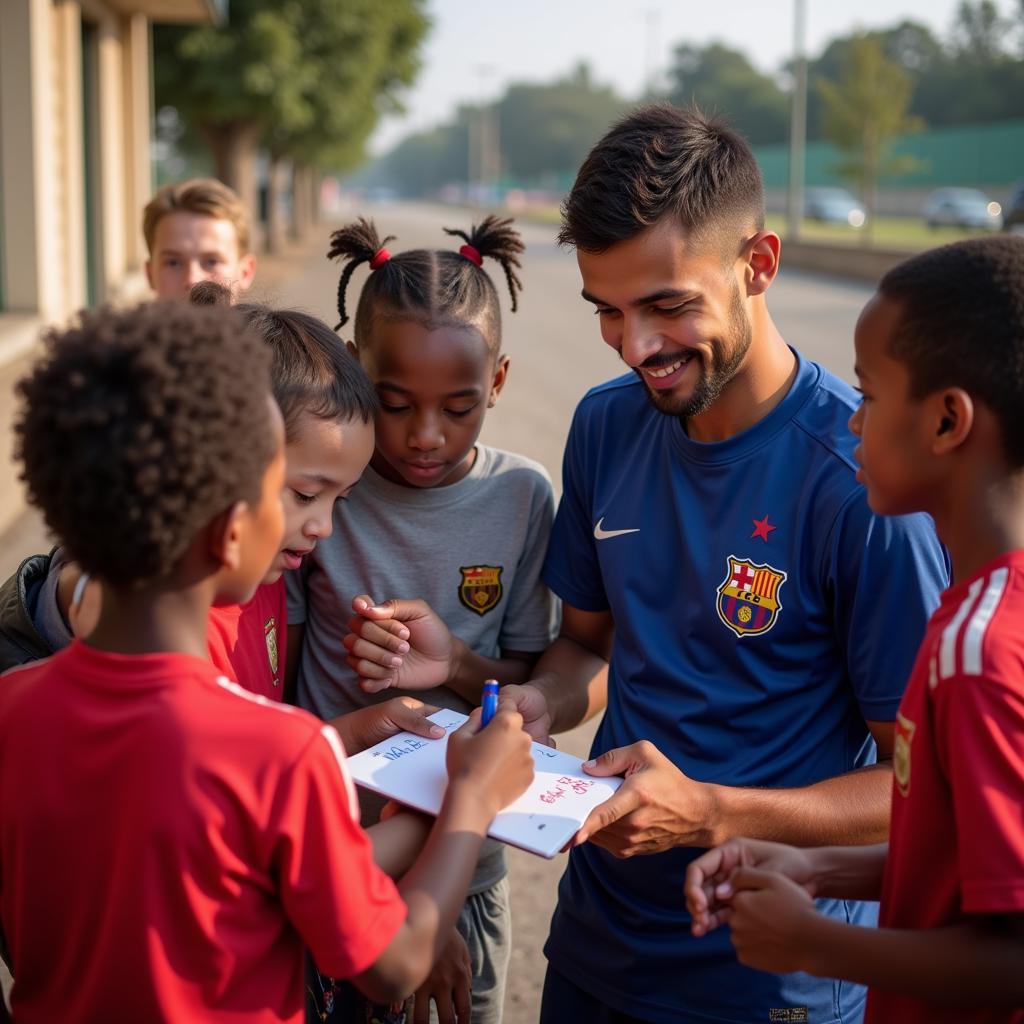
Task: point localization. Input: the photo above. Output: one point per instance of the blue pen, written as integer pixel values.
(489, 700)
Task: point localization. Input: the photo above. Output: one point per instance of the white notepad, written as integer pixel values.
(411, 770)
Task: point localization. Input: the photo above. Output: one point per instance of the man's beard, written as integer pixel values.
(725, 361)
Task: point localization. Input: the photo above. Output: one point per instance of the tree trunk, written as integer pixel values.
(302, 178)
(233, 147)
(274, 241)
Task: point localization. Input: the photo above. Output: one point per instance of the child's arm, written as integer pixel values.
(836, 872)
(406, 645)
(775, 927)
(487, 769)
(367, 726)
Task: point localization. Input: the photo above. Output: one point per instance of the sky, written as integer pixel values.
(477, 47)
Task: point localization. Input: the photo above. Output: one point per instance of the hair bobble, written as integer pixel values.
(380, 257)
(472, 253)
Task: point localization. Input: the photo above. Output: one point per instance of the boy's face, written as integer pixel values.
(673, 312)
(192, 247)
(896, 431)
(324, 461)
(435, 388)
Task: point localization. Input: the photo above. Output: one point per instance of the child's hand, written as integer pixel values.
(772, 921)
(448, 985)
(401, 644)
(361, 729)
(495, 761)
(710, 879)
(533, 706)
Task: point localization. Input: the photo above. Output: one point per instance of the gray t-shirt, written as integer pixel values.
(473, 551)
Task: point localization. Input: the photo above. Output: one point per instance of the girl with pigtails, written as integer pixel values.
(430, 581)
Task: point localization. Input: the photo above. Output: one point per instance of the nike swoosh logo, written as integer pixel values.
(605, 534)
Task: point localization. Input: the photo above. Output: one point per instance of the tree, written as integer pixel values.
(978, 32)
(724, 82)
(865, 111)
(303, 77)
(549, 128)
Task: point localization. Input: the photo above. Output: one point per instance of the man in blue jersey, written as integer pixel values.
(714, 546)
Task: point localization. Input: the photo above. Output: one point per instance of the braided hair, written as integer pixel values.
(436, 287)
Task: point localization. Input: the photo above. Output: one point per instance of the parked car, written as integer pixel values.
(962, 208)
(1013, 218)
(833, 206)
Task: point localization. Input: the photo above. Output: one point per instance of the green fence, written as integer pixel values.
(979, 155)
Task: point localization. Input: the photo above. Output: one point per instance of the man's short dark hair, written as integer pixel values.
(138, 428)
(661, 161)
(962, 325)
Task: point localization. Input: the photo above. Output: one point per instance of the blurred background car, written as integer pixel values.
(1013, 218)
(962, 208)
(833, 206)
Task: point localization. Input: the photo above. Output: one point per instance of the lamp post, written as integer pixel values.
(798, 122)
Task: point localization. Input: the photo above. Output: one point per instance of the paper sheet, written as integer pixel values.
(411, 770)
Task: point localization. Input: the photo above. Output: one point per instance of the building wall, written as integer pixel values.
(43, 200)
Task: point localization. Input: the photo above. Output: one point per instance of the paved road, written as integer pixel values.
(556, 355)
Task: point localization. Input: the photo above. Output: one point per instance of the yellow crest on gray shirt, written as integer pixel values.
(480, 588)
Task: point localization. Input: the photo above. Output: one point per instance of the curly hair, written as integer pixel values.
(962, 325)
(311, 369)
(138, 427)
(436, 287)
(661, 161)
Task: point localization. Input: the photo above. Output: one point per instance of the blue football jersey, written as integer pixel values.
(762, 615)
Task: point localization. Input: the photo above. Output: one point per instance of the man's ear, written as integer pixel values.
(351, 346)
(952, 419)
(225, 534)
(762, 261)
(246, 271)
(498, 380)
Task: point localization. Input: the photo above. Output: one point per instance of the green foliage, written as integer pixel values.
(723, 82)
(547, 128)
(865, 112)
(312, 76)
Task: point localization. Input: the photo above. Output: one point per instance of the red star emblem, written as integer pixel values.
(762, 528)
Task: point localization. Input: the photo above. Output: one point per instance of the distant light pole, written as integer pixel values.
(798, 122)
(652, 19)
(483, 140)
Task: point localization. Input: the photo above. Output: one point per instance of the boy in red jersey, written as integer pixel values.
(169, 843)
(940, 359)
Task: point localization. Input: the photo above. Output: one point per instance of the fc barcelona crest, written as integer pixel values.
(270, 633)
(748, 597)
(480, 589)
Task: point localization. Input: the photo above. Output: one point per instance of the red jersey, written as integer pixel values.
(247, 641)
(170, 844)
(956, 844)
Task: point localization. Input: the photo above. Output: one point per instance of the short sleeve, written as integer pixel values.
(572, 569)
(884, 576)
(979, 722)
(295, 589)
(344, 907)
(531, 614)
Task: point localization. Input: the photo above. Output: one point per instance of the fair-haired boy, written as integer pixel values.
(197, 230)
(940, 360)
(169, 843)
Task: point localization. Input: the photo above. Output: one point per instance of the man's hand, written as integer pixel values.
(401, 644)
(656, 808)
(448, 985)
(367, 726)
(533, 706)
(709, 887)
(773, 921)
